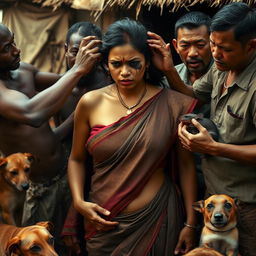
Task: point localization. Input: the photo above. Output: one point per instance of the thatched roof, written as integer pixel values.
(173, 5)
(136, 3)
(53, 3)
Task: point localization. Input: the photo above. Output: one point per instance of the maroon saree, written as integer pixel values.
(125, 155)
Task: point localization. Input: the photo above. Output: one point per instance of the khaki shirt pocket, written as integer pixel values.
(233, 125)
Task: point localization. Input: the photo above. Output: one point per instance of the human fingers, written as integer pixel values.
(92, 57)
(159, 44)
(198, 125)
(86, 40)
(183, 133)
(86, 60)
(106, 225)
(178, 248)
(102, 224)
(101, 210)
(189, 239)
(94, 50)
(93, 43)
(180, 127)
(154, 35)
(203, 135)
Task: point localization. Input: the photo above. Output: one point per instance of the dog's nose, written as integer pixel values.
(218, 216)
(25, 186)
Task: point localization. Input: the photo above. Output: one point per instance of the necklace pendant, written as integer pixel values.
(129, 111)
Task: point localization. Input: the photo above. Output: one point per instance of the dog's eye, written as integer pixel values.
(228, 205)
(209, 206)
(27, 170)
(51, 241)
(35, 248)
(14, 172)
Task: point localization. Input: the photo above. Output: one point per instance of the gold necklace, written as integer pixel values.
(129, 109)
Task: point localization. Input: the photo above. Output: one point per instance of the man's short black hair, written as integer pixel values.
(83, 28)
(237, 16)
(193, 20)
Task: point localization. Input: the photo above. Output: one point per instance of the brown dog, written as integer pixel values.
(219, 232)
(14, 181)
(27, 241)
(203, 252)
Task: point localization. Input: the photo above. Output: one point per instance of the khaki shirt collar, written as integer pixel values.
(244, 79)
(184, 72)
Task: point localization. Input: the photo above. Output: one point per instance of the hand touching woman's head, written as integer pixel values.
(129, 32)
(126, 31)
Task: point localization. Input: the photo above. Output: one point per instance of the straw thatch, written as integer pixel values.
(174, 5)
(53, 3)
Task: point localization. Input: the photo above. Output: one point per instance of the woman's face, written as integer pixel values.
(127, 66)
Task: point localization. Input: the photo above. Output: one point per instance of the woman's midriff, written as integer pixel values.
(148, 193)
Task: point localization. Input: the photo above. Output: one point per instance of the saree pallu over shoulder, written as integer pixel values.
(127, 152)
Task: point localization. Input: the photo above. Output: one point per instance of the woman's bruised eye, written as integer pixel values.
(115, 64)
(135, 64)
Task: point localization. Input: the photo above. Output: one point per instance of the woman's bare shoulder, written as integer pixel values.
(95, 97)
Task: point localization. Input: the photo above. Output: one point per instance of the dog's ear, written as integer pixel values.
(198, 206)
(1, 154)
(13, 247)
(47, 224)
(3, 162)
(237, 201)
(30, 157)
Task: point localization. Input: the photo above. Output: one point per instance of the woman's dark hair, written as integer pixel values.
(237, 16)
(83, 28)
(127, 31)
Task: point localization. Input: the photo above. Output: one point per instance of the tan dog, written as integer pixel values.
(27, 241)
(203, 252)
(14, 181)
(219, 232)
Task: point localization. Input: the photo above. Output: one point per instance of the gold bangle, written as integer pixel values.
(190, 226)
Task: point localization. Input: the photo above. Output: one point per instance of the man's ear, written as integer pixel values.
(199, 206)
(251, 45)
(13, 247)
(174, 43)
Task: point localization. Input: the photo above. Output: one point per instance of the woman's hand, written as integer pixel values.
(186, 241)
(92, 213)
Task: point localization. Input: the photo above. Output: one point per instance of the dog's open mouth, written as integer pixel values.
(219, 224)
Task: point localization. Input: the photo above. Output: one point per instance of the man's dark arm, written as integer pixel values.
(17, 106)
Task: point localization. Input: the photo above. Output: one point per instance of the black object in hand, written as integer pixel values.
(205, 122)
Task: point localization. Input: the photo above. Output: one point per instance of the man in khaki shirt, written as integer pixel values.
(229, 165)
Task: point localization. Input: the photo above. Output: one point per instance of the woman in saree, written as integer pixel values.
(129, 128)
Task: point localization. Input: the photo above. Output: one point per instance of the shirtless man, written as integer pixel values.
(96, 79)
(24, 124)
